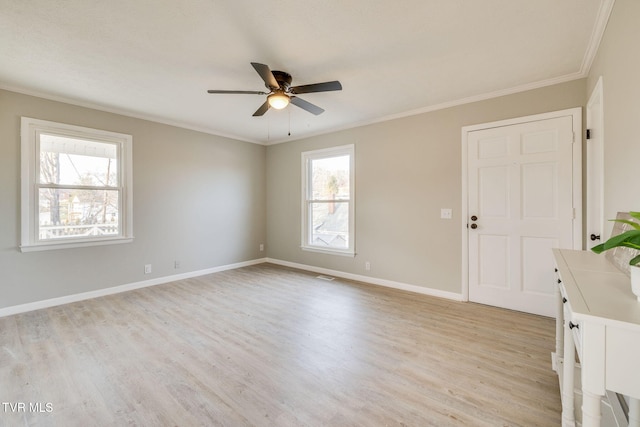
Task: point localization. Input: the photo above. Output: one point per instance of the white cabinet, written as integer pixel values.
(599, 318)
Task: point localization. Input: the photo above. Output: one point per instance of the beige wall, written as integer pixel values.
(618, 62)
(199, 199)
(406, 171)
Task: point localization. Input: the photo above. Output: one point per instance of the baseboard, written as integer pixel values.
(371, 280)
(23, 308)
(37, 305)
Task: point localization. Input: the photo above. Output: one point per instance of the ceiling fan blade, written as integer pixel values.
(306, 105)
(316, 87)
(263, 109)
(247, 92)
(266, 75)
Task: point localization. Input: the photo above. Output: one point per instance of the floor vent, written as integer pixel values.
(327, 278)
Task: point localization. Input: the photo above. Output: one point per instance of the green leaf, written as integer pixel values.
(632, 236)
(635, 215)
(631, 242)
(634, 260)
(598, 248)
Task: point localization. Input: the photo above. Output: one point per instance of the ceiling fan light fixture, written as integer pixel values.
(278, 100)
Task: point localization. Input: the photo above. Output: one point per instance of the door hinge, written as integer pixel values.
(588, 134)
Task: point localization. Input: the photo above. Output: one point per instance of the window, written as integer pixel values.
(76, 186)
(328, 200)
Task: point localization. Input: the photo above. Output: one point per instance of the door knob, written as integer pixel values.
(474, 226)
(474, 218)
(595, 237)
(573, 325)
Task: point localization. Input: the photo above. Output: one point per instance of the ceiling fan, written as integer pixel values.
(281, 93)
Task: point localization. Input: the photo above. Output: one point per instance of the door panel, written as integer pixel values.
(535, 275)
(540, 142)
(494, 268)
(493, 187)
(492, 148)
(539, 191)
(520, 188)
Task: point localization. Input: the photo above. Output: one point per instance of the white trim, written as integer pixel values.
(75, 244)
(23, 308)
(606, 7)
(578, 212)
(338, 252)
(371, 280)
(597, 95)
(576, 115)
(464, 213)
(575, 112)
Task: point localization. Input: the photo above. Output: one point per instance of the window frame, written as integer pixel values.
(307, 200)
(30, 184)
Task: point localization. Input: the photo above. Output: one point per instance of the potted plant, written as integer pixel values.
(627, 239)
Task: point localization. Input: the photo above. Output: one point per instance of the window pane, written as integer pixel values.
(330, 178)
(77, 213)
(330, 225)
(70, 161)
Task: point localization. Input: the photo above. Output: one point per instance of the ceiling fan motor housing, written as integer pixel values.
(283, 79)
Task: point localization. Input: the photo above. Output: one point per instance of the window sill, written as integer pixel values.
(74, 244)
(339, 252)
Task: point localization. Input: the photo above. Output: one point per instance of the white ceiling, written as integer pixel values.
(155, 59)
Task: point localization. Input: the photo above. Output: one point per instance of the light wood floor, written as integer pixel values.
(268, 346)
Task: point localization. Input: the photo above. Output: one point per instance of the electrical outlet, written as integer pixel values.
(261, 247)
(446, 214)
(367, 265)
(147, 268)
(176, 264)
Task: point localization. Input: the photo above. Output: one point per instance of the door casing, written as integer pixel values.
(595, 166)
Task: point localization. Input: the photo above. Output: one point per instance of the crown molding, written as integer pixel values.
(606, 7)
(125, 112)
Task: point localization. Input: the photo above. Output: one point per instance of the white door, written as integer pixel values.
(520, 205)
(595, 167)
